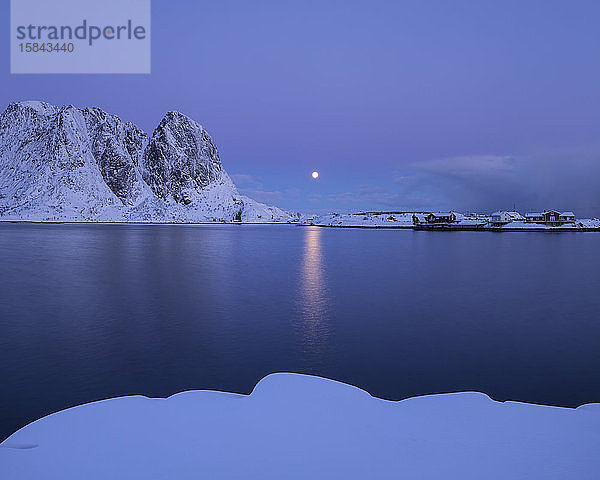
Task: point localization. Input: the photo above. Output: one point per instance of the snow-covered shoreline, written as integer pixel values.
(299, 426)
(529, 228)
(464, 222)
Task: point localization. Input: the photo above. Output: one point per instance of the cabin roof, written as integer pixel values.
(510, 214)
(441, 214)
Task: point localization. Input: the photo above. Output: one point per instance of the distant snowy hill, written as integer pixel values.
(69, 164)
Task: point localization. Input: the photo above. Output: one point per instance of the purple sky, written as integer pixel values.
(473, 105)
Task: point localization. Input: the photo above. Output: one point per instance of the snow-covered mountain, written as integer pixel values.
(69, 164)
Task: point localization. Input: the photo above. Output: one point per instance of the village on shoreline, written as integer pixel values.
(503, 220)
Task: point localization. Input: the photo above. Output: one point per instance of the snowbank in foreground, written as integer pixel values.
(297, 426)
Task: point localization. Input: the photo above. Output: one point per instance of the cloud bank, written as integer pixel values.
(483, 183)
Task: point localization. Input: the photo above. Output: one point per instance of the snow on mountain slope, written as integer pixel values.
(69, 164)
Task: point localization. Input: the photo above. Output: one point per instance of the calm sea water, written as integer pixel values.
(95, 311)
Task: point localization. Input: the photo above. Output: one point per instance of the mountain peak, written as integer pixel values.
(66, 163)
(38, 106)
(27, 111)
(175, 117)
(181, 158)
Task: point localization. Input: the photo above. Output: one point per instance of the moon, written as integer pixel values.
(315, 175)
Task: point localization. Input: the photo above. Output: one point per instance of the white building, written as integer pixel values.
(503, 217)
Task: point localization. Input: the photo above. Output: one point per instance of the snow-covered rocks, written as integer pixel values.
(589, 223)
(298, 427)
(69, 164)
(362, 219)
(117, 148)
(180, 159)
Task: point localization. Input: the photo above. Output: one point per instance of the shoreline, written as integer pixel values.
(428, 228)
(74, 222)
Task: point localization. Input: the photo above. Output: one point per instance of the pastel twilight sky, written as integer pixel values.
(417, 104)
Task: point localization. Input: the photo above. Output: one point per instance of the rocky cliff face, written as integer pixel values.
(64, 163)
(117, 148)
(180, 159)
